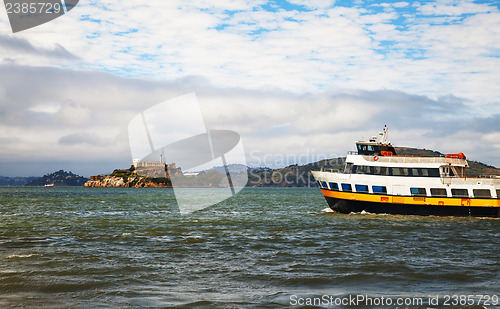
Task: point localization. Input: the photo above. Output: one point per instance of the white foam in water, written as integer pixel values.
(327, 209)
(364, 212)
(20, 256)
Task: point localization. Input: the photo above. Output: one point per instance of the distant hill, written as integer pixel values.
(60, 179)
(404, 151)
(232, 168)
(15, 181)
(292, 175)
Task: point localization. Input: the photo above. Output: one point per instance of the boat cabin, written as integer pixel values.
(374, 148)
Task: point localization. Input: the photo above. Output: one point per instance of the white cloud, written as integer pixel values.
(314, 4)
(73, 114)
(453, 8)
(239, 44)
(47, 108)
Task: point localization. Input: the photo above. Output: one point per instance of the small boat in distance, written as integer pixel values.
(50, 185)
(376, 180)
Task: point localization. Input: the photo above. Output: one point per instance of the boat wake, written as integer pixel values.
(364, 212)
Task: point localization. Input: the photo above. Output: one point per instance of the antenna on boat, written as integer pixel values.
(384, 134)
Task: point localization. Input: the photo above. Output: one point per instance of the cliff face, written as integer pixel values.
(106, 182)
(127, 182)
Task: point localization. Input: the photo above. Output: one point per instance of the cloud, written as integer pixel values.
(313, 4)
(290, 78)
(454, 8)
(16, 48)
(73, 114)
(83, 117)
(91, 139)
(252, 45)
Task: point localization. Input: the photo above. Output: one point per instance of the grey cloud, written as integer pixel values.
(83, 138)
(109, 98)
(8, 140)
(262, 116)
(23, 46)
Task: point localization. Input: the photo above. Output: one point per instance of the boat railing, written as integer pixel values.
(352, 152)
(493, 181)
(331, 170)
(410, 159)
(489, 176)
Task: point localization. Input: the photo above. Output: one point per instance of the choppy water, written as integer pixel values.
(264, 248)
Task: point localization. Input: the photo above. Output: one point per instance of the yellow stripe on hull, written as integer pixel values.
(412, 200)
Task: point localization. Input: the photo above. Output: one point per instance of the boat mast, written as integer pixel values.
(384, 135)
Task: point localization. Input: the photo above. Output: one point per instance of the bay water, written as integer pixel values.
(263, 248)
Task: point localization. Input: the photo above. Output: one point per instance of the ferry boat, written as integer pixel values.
(376, 180)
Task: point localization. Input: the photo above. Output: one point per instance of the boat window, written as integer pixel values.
(379, 189)
(370, 148)
(394, 171)
(438, 192)
(459, 193)
(444, 171)
(346, 187)
(334, 186)
(498, 193)
(361, 188)
(434, 172)
(447, 172)
(323, 185)
(362, 169)
(418, 191)
(425, 172)
(379, 170)
(482, 193)
(348, 167)
(397, 171)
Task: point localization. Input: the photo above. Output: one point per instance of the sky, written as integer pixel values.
(299, 80)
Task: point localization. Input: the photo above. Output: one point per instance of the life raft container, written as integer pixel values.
(459, 155)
